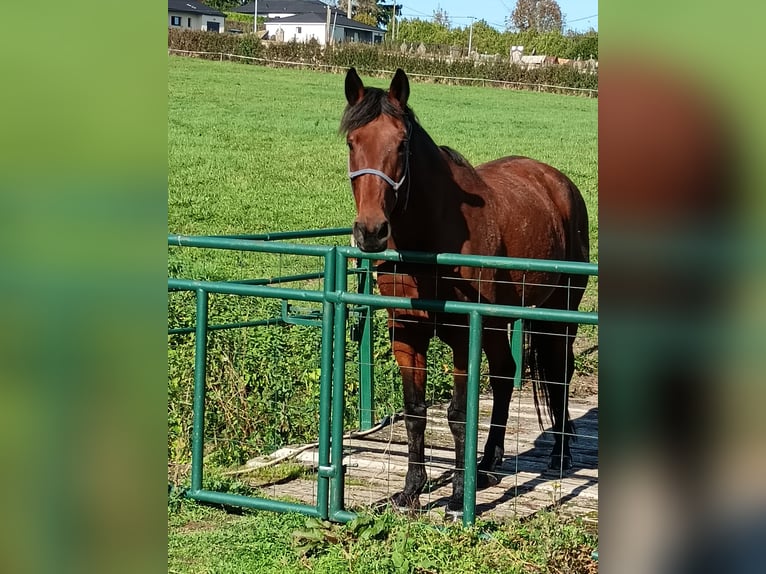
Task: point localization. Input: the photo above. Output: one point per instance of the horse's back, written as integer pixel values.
(525, 209)
(540, 212)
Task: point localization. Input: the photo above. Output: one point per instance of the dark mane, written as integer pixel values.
(374, 103)
(456, 157)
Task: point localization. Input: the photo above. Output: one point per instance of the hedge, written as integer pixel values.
(369, 59)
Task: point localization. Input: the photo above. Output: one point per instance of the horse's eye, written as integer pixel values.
(350, 145)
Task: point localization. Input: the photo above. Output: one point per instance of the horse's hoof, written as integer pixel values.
(560, 463)
(404, 502)
(454, 510)
(486, 479)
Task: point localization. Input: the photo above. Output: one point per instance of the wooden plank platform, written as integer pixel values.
(376, 464)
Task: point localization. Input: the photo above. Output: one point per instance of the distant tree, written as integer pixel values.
(365, 11)
(422, 31)
(386, 10)
(371, 12)
(536, 15)
(441, 17)
(223, 4)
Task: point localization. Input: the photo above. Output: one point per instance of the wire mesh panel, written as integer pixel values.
(262, 370)
(523, 482)
(301, 331)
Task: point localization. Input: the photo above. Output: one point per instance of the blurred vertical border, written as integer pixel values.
(83, 211)
(681, 287)
(82, 223)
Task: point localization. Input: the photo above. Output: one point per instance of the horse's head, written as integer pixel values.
(377, 132)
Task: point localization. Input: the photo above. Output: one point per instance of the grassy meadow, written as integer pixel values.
(254, 149)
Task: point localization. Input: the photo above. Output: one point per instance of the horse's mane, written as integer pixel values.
(456, 157)
(374, 103)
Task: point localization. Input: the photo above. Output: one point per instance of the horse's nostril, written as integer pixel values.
(383, 230)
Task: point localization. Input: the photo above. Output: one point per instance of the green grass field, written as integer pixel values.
(253, 149)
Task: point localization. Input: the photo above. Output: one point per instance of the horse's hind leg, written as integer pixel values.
(410, 345)
(501, 368)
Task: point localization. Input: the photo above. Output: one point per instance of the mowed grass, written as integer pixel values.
(254, 149)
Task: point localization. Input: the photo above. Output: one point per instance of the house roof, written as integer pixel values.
(193, 7)
(317, 18)
(284, 7)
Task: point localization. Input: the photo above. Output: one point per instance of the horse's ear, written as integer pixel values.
(354, 87)
(399, 90)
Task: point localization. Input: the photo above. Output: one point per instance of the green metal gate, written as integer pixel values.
(335, 299)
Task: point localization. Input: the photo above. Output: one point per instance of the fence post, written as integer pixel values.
(517, 346)
(200, 363)
(366, 380)
(472, 419)
(325, 386)
(338, 384)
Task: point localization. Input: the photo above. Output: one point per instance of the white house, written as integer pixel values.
(194, 15)
(304, 20)
(313, 26)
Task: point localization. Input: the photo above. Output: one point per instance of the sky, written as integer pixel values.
(579, 15)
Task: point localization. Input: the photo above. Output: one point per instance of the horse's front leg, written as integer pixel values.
(410, 347)
(456, 418)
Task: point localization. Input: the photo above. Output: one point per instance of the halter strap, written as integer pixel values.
(367, 170)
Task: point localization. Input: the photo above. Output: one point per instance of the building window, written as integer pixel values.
(213, 26)
(298, 29)
(175, 20)
(188, 22)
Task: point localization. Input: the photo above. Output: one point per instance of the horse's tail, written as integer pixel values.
(537, 375)
(538, 356)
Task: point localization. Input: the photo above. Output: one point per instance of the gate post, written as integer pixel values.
(325, 387)
(338, 383)
(472, 419)
(366, 380)
(200, 366)
(517, 347)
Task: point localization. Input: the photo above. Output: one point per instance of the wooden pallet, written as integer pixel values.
(376, 465)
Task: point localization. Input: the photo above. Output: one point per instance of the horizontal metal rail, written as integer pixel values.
(465, 308)
(246, 290)
(247, 245)
(222, 326)
(464, 260)
(252, 502)
(287, 235)
(282, 279)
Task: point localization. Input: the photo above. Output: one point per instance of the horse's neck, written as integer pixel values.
(427, 221)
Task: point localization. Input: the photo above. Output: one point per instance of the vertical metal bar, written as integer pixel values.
(366, 382)
(517, 345)
(325, 386)
(472, 419)
(200, 362)
(338, 383)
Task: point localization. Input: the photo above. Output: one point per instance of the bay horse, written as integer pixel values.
(411, 194)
